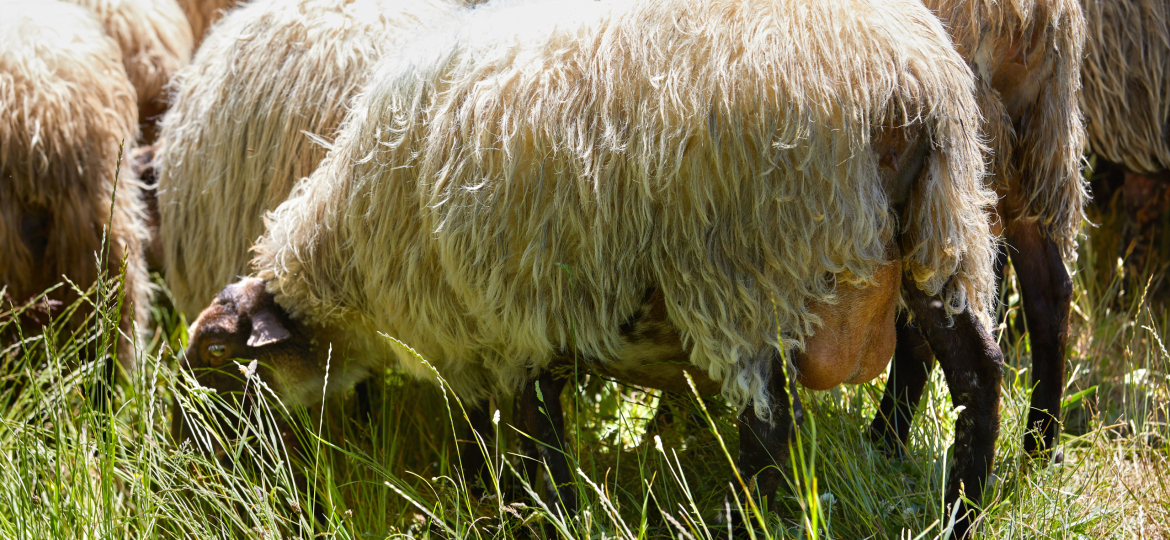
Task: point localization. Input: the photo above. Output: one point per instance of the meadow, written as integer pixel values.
(81, 460)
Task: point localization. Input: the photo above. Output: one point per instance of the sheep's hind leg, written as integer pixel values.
(909, 375)
(541, 418)
(973, 365)
(1047, 291)
(913, 362)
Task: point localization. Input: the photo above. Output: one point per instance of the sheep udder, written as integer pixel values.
(857, 339)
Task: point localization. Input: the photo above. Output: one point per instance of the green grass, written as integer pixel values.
(72, 468)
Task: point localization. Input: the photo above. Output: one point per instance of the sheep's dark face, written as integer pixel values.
(243, 338)
(242, 324)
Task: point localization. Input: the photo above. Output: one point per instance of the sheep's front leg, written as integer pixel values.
(763, 444)
(913, 362)
(541, 418)
(973, 365)
(472, 456)
(1047, 291)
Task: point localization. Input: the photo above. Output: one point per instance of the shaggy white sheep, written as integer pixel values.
(1126, 78)
(510, 152)
(554, 178)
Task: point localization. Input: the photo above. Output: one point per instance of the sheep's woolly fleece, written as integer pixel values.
(271, 82)
(155, 39)
(65, 106)
(1126, 77)
(1036, 146)
(509, 190)
(204, 13)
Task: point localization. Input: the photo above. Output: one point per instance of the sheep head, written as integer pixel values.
(245, 337)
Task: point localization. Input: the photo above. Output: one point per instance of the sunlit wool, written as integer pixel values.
(1035, 160)
(155, 39)
(509, 190)
(270, 84)
(65, 106)
(1126, 78)
(204, 13)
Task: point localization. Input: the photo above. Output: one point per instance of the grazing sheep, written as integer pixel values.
(156, 42)
(1026, 55)
(1126, 98)
(65, 106)
(204, 13)
(638, 184)
(271, 81)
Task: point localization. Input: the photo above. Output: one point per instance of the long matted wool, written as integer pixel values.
(509, 190)
(65, 106)
(1036, 144)
(269, 85)
(155, 39)
(1126, 78)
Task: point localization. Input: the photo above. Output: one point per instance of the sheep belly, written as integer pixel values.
(650, 353)
(854, 345)
(857, 339)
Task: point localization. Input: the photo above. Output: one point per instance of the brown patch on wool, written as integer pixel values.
(204, 13)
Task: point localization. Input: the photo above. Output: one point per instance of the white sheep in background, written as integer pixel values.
(270, 83)
(65, 107)
(1126, 78)
(204, 13)
(155, 39)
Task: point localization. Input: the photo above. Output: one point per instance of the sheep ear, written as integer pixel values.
(266, 329)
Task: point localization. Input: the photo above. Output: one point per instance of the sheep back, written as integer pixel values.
(251, 115)
(510, 189)
(65, 106)
(155, 39)
(1026, 55)
(1126, 78)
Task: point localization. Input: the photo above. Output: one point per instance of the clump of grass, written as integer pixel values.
(76, 466)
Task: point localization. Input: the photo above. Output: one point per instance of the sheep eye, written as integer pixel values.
(217, 349)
